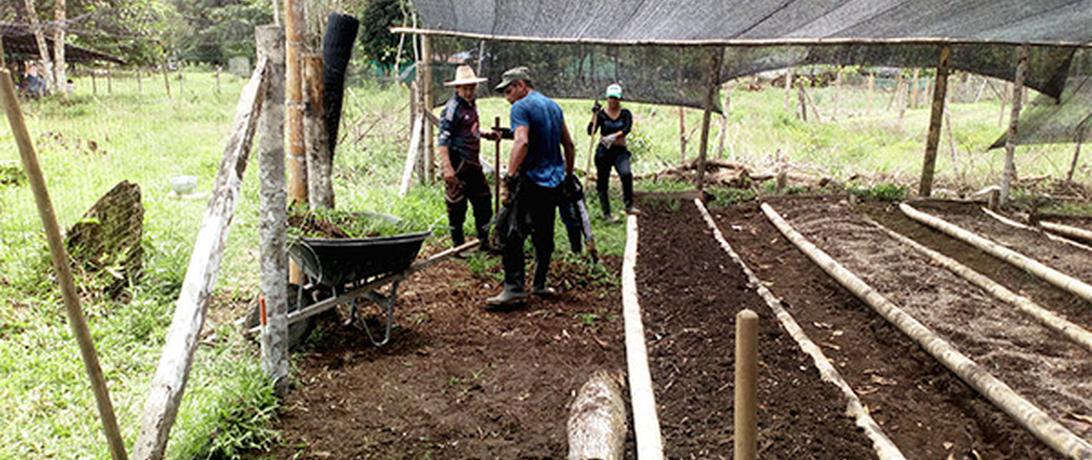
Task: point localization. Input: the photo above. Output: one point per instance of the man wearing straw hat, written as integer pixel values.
(459, 145)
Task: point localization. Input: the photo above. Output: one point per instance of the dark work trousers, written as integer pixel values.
(619, 159)
(535, 209)
(470, 185)
(570, 216)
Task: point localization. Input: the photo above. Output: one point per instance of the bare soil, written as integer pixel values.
(690, 292)
(1041, 365)
(456, 381)
(925, 409)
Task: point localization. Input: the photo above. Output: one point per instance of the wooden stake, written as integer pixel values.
(60, 266)
(293, 92)
(169, 383)
(1014, 123)
(871, 92)
(724, 124)
(803, 104)
(1076, 156)
(745, 408)
(221, 68)
(166, 80)
(272, 218)
(181, 81)
(320, 184)
(497, 166)
(94, 84)
(109, 81)
(915, 91)
(139, 82)
(935, 120)
(712, 85)
(682, 135)
(788, 89)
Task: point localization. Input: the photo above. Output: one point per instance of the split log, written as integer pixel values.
(1018, 260)
(169, 382)
(1000, 394)
(597, 419)
(60, 260)
(1068, 231)
(884, 447)
(1048, 235)
(646, 424)
(1047, 318)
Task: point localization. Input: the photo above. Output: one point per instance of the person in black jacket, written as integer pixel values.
(614, 124)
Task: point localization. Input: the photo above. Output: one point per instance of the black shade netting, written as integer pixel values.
(1068, 119)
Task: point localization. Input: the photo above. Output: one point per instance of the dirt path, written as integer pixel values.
(690, 291)
(1062, 257)
(926, 410)
(1041, 365)
(456, 381)
(1061, 302)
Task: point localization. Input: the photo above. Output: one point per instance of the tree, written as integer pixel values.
(59, 71)
(379, 44)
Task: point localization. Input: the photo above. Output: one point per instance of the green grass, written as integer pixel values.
(88, 143)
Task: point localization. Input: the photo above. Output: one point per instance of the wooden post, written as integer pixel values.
(915, 91)
(109, 81)
(139, 82)
(320, 186)
(43, 49)
(169, 383)
(803, 104)
(682, 135)
(1014, 123)
(426, 105)
(746, 388)
(724, 123)
(788, 89)
(871, 92)
(293, 93)
(94, 84)
(166, 80)
(60, 266)
(271, 219)
(712, 85)
(221, 68)
(1076, 154)
(935, 120)
(497, 166)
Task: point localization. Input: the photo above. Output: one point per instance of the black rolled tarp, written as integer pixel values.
(337, 48)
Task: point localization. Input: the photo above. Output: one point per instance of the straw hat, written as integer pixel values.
(464, 75)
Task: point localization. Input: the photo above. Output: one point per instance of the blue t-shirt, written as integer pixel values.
(543, 164)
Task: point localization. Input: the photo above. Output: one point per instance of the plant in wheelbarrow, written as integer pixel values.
(348, 260)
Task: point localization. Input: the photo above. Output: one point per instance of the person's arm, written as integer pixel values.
(569, 148)
(627, 122)
(447, 118)
(594, 124)
(519, 149)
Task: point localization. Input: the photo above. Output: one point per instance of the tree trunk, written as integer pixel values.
(1014, 123)
(935, 120)
(294, 27)
(43, 48)
(320, 187)
(59, 71)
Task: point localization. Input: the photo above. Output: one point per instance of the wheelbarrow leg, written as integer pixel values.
(386, 304)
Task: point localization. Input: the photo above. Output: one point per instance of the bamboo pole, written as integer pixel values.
(169, 383)
(294, 26)
(646, 424)
(272, 217)
(935, 120)
(1056, 323)
(710, 100)
(1039, 231)
(320, 184)
(1032, 418)
(1014, 123)
(1067, 231)
(1018, 260)
(60, 259)
(885, 449)
(745, 407)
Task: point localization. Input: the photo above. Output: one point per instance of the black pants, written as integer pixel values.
(469, 184)
(536, 209)
(619, 159)
(570, 216)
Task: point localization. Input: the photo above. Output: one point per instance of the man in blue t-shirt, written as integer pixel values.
(536, 171)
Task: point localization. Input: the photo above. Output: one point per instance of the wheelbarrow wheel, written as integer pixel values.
(299, 331)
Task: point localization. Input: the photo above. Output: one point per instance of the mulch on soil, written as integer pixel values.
(1060, 256)
(456, 381)
(1038, 363)
(690, 292)
(925, 409)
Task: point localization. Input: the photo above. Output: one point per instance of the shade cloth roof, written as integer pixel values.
(19, 42)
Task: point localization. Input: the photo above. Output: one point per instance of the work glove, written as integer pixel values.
(597, 107)
(504, 133)
(508, 191)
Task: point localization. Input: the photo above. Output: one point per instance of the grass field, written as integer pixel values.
(48, 410)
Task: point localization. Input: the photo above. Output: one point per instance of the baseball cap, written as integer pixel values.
(511, 75)
(615, 91)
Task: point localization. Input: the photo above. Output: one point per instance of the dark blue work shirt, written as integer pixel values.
(543, 164)
(459, 130)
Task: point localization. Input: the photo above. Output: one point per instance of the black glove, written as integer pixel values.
(572, 189)
(505, 133)
(511, 184)
(596, 108)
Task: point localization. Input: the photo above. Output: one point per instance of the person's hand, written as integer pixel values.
(597, 107)
(508, 188)
(449, 173)
(490, 135)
